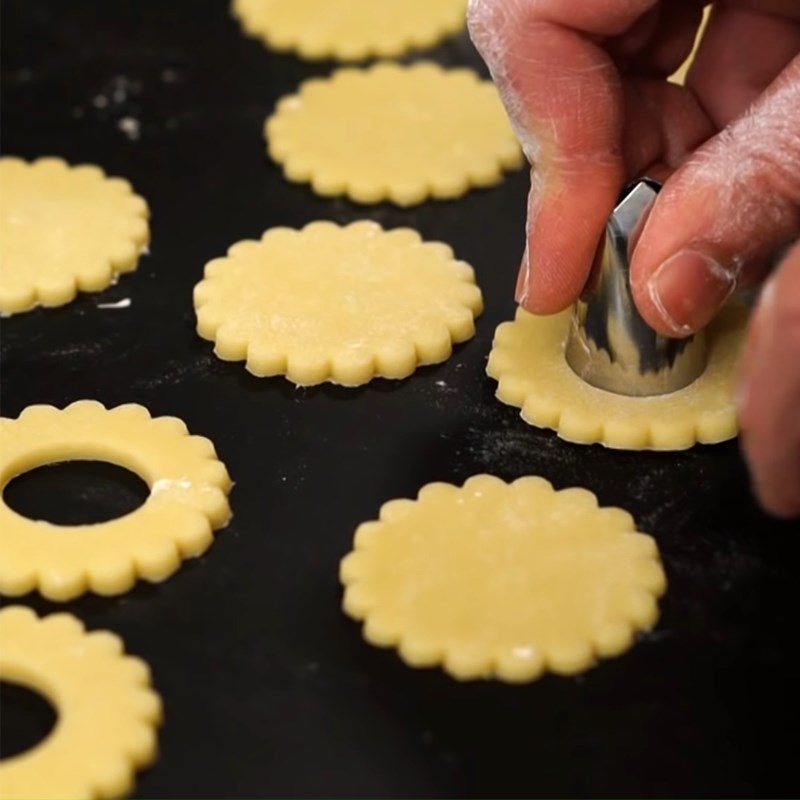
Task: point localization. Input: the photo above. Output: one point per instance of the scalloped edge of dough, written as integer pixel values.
(706, 426)
(392, 363)
(137, 718)
(483, 174)
(515, 665)
(344, 51)
(95, 277)
(201, 495)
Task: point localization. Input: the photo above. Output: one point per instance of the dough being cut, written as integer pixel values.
(64, 229)
(187, 501)
(502, 580)
(107, 710)
(527, 360)
(394, 132)
(340, 304)
(350, 30)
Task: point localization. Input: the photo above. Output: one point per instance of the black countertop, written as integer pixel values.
(268, 688)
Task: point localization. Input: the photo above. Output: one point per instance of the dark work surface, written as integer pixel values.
(268, 688)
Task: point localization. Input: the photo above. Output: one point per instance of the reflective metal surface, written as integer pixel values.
(610, 345)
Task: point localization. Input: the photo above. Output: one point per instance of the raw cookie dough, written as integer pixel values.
(350, 30)
(394, 132)
(340, 304)
(502, 580)
(107, 710)
(527, 360)
(187, 501)
(679, 76)
(64, 229)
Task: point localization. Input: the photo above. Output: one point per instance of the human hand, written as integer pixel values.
(584, 82)
(769, 394)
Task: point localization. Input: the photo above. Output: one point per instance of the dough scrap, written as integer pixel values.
(187, 501)
(340, 304)
(107, 710)
(680, 74)
(527, 360)
(502, 580)
(62, 229)
(350, 30)
(394, 132)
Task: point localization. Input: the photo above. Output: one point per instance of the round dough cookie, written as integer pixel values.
(502, 580)
(339, 304)
(64, 229)
(350, 30)
(187, 501)
(527, 360)
(393, 132)
(107, 710)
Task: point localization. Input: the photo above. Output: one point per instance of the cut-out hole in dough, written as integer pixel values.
(76, 492)
(27, 718)
(187, 500)
(107, 709)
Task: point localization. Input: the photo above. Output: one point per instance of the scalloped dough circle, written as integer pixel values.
(187, 500)
(502, 580)
(339, 304)
(350, 30)
(528, 362)
(64, 229)
(394, 132)
(107, 710)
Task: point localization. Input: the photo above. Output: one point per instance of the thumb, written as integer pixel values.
(722, 214)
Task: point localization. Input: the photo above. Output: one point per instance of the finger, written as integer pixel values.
(724, 210)
(564, 96)
(748, 44)
(664, 124)
(663, 45)
(769, 397)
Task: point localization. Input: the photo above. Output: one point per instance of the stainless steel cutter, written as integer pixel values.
(610, 345)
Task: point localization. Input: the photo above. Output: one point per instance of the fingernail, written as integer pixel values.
(688, 289)
(523, 279)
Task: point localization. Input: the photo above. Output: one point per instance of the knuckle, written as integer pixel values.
(485, 21)
(768, 135)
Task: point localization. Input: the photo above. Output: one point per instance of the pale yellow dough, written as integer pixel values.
(350, 30)
(107, 710)
(527, 360)
(502, 580)
(64, 229)
(187, 501)
(340, 304)
(394, 132)
(679, 76)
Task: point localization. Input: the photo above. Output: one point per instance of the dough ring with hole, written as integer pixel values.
(394, 132)
(187, 500)
(527, 360)
(352, 30)
(340, 304)
(64, 229)
(107, 711)
(502, 580)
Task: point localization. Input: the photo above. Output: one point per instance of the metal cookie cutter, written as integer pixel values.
(610, 346)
